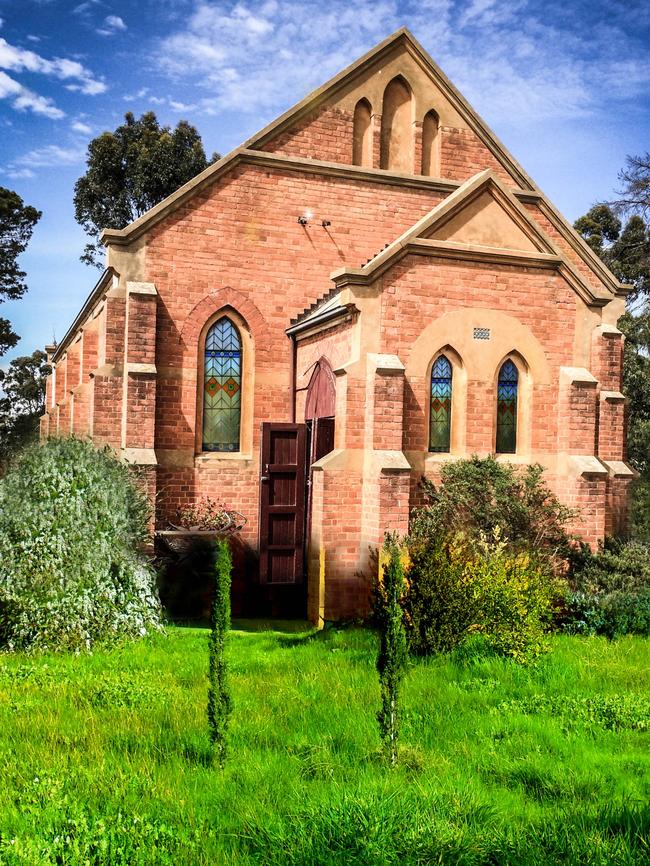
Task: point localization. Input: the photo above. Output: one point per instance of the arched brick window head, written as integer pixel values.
(222, 381)
(397, 128)
(507, 388)
(362, 134)
(440, 411)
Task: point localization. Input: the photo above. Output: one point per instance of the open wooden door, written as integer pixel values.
(282, 518)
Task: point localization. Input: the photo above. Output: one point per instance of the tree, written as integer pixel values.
(17, 221)
(131, 170)
(635, 191)
(393, 653)
(219, 699)
(626, 251)
(23, 402)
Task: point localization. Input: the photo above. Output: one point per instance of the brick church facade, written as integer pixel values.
(369, 287)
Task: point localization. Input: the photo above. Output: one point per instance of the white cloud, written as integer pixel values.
(51, 155)
(112, 25)
(517, 62)
(18, 59)
(20, 173)
(78, 126)
(140, 94)
(23, 99)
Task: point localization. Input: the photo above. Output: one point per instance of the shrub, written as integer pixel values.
(393, 654)
(439, 603)
(610, 591)
(479, 495)
(456, 588)
(219, 700)
(514, 598)
(71, 520)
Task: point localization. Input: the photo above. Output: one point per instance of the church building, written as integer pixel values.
(366, 289)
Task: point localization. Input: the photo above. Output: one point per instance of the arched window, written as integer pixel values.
(507, 388)
(397, 128)
(430, 161)
(222, 381)
(362, 132)
(440, 411)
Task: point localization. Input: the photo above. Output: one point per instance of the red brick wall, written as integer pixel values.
(327, 135)
(425, 289)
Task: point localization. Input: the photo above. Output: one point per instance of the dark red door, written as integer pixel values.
(282, 506)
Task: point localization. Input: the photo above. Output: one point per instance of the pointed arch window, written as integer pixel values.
(222, 383)
(440, 410)
(507, 392)
(362, 134)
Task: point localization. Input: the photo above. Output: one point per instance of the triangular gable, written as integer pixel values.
(459, 227)
(255, 144)
(373, 61)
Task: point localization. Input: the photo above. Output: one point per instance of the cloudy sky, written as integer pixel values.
(565, 85)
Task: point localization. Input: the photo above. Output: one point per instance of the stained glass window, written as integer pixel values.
(507, 408)
(440, 415)
(222, 387)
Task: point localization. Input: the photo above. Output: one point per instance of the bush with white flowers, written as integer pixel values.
(71, 574)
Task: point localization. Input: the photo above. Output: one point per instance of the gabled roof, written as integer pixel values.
(250, 152)
(531, 246)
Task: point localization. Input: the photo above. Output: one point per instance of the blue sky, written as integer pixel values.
(565, 85)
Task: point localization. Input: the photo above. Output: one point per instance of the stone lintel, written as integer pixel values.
(620, 469)
(390, 462)
(613, 396)
(139, 456)
(134, 288)
(578, 376)
(609, 331)
(133, 368)
(108, 371)
(585, 465)
(386, 363)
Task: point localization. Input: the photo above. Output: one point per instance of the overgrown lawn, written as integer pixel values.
(105, 758)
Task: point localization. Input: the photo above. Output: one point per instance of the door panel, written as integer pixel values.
(282, 504)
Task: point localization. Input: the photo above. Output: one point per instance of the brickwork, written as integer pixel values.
(235, 247)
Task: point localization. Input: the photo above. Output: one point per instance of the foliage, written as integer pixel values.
(17, 221)
(439, 604)
(480, 495)
(132, 169)
(545, 764)
(634, 194)
(392, 657)
(71, 519)
(624, 249)
(208, 515)
(514, 599)
(610, 592)
(627, 253)
(456, 589)
(23, 404)
(219, 700)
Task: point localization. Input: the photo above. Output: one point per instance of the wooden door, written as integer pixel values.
(282, 505)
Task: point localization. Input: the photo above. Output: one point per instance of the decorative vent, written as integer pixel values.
(481, 333)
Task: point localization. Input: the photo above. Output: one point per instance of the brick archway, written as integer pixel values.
(212, 304)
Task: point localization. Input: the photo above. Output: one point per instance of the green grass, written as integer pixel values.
(105, 759)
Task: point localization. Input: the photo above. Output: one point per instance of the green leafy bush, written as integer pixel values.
(610, 591)
(456, 589)
(393, 653)
(219, 697)
(479, 495)
(439, 604)
(71, 521)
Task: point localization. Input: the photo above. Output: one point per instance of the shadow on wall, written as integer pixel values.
(186, 581)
